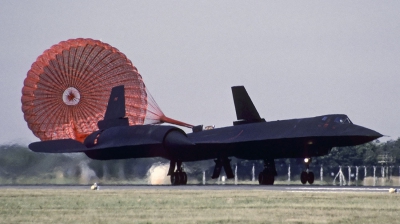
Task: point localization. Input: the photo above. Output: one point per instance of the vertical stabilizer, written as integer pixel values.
(246, 112)
(115, 113)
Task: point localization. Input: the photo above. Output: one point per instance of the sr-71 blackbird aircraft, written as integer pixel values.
(250, 137)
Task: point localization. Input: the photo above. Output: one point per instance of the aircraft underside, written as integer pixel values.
(221, 158)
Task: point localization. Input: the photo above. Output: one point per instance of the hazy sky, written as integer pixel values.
(295, 58)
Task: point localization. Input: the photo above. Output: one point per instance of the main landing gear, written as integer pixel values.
(267, 176)
(226, 164)
(307, 176)
(178, 177)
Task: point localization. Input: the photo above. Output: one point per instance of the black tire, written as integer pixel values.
(266, 178)
(303, 177)
(183, 178)
(269, 179)
(310, 177)
(175, 179)
(261, 178)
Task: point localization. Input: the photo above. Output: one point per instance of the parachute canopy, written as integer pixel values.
(66, 91)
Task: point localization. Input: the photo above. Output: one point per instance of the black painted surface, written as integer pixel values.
(115, 113)
(250, 138)
(296, 138)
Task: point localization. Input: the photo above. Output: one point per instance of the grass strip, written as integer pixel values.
(200, 206)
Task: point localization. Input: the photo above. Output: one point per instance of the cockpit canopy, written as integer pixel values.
(339, 119)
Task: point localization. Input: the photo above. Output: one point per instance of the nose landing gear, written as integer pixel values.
(307, 176)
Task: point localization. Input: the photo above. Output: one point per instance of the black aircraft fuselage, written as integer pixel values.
(251, 138)
(296, 138)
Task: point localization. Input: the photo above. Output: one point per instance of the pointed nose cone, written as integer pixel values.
(361, 135)
(361, 131)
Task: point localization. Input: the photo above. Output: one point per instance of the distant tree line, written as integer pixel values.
(18, 162)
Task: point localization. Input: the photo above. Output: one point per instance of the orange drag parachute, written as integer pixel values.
(66, 91)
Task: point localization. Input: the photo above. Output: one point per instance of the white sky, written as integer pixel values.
(295, 58)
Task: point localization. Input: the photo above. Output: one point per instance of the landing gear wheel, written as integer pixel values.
(178, 177)
(303, 177)
(183, 178)
(175, 179)
(270, 179)
(260, 178)
(266, 178)
(310, 177)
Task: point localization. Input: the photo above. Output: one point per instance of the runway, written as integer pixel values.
(284, 188)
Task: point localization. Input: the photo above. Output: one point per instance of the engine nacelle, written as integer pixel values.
(137, 142)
